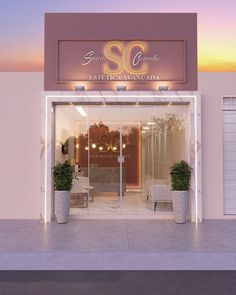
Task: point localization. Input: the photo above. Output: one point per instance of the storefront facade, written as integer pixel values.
(122, 100)
(147, 127)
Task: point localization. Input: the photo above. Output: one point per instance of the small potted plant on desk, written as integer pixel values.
(180, 174)
(62, 185)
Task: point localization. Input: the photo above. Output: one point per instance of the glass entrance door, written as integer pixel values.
(104, 159)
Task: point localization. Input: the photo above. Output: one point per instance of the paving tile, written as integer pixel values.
(149, 228)
(17, 226)
(54, 228)
(153, 236)
(197, 235)
(138, 224)
(101, 243)
(10, 241)
(226, 226)
(104, 225)
(211, 244)
(53, 236)
(44, 243)
(7, 244)
(101, 235)
(157, 245)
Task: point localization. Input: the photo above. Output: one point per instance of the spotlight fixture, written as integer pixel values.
(79, 88)
(143, 131)
(94, 146)
(146, 127)
(124, 145)
(121, 88)
(163, 88)
(100, 148)
(151, 123)
(114, 148)
(86, 148)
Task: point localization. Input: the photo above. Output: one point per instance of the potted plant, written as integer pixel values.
(180, 174)
(62, 185)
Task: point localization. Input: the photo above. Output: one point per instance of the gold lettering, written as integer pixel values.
(114, 58)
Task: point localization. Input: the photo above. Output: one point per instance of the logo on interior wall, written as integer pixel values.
(107, 61)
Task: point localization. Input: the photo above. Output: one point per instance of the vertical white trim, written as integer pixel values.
(121, 162)
(196, 158)
(46, 161)
(88, 127)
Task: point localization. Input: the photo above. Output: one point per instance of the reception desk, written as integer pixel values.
(105, 179)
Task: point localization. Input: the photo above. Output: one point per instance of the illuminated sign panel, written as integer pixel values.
(106, 61)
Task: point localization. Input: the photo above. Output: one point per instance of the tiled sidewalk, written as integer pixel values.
(117, 244)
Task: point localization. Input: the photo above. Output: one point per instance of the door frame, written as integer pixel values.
(51, 98)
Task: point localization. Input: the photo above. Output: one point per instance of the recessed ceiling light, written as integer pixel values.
(151, 123)
(146, 127)
(81, 111)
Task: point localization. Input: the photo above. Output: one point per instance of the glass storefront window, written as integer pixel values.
(119, 152)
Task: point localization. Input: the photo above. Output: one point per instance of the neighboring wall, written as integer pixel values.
(213, 86)
(20, 142)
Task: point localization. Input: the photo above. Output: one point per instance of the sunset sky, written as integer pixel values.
(22, 28)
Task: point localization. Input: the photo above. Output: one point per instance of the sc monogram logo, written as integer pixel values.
(125, 57)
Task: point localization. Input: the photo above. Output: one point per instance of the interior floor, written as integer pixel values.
(132, 203)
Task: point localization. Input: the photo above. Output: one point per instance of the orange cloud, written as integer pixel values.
(22, 62)
(21, 67)
(217, 67)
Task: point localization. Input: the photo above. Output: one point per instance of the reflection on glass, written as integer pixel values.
(163, 145)
(131, 152)
(102, 142)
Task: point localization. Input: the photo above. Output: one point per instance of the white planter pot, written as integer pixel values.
(180, 206)
(62, 206)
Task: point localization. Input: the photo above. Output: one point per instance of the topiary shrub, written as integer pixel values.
(63, 176)
(180, 174)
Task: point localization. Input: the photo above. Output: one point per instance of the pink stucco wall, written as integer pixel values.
(20, 144)
(20, 95)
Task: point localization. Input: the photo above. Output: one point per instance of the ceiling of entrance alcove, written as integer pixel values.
(124, 113)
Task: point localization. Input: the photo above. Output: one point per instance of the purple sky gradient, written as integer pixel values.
(22, 28)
